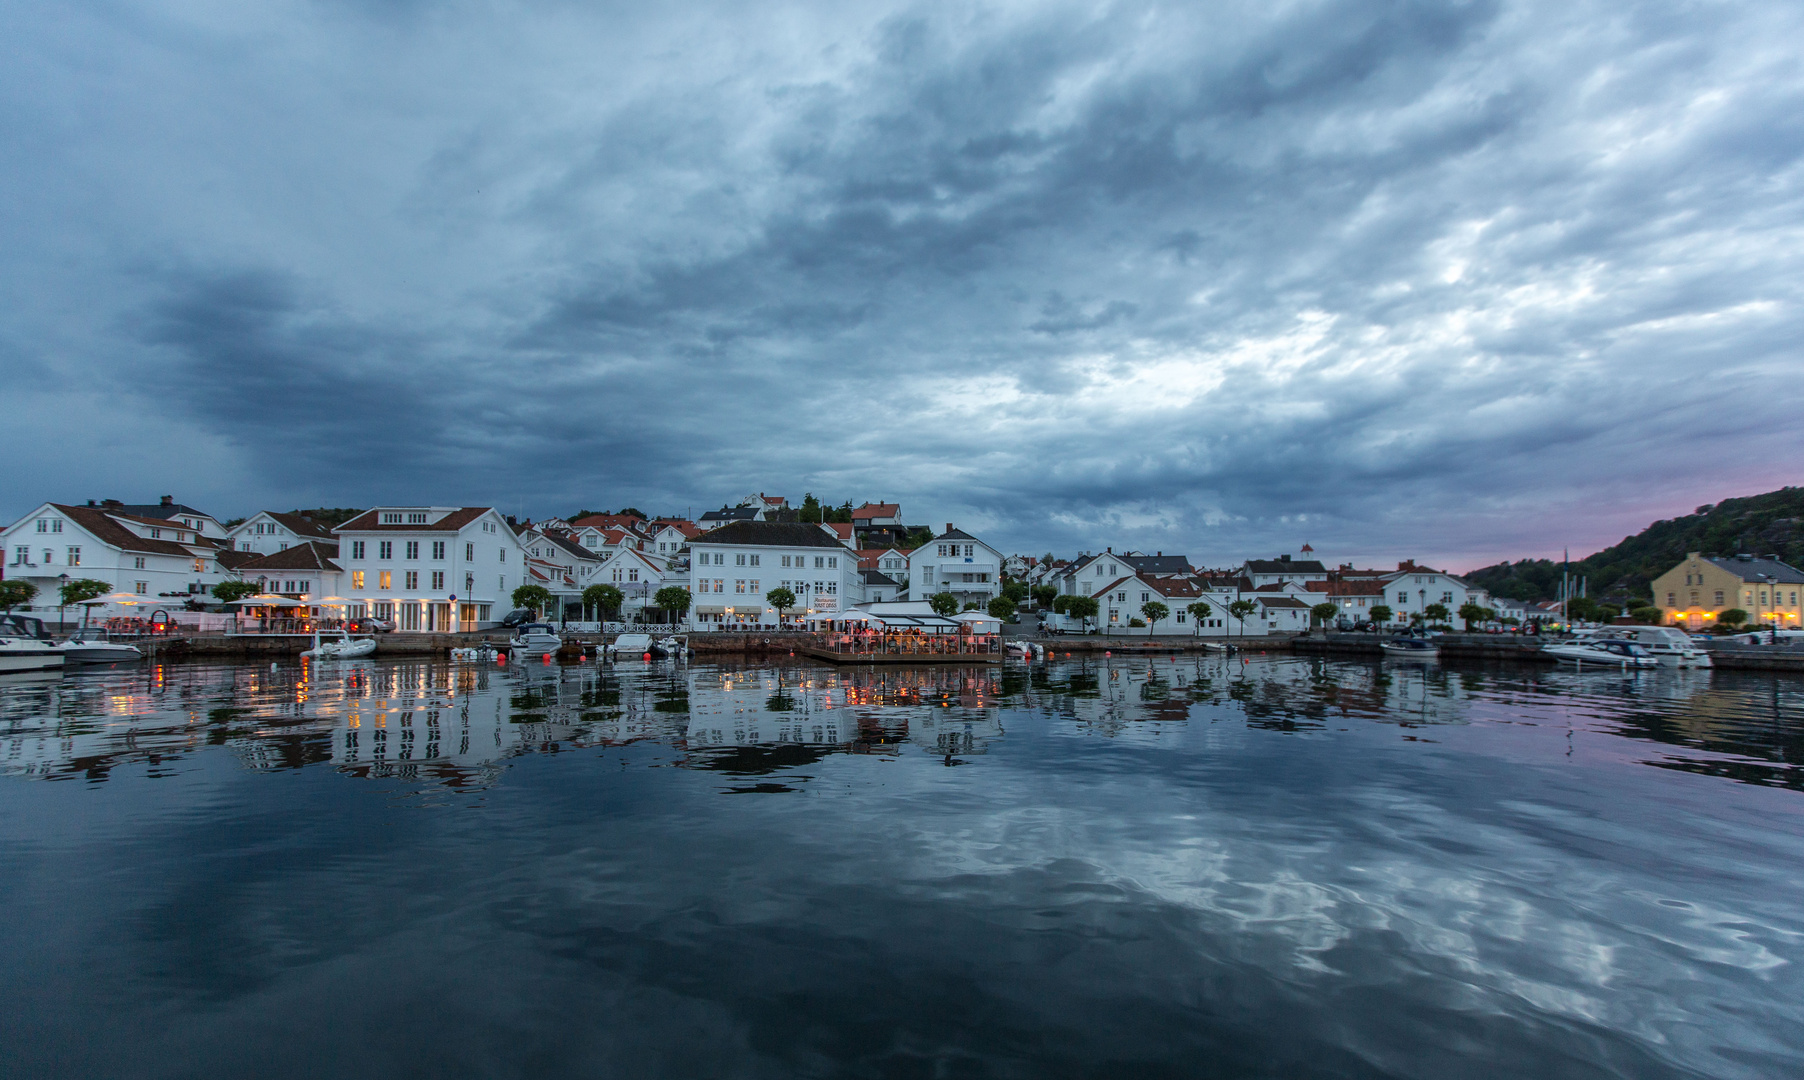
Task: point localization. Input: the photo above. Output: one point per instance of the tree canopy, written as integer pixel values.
(228, 591)
(603, 598)
(14, 592)
(1154, 611)
(944, 603)
(1001, 607)
(673, 599)
(536, 598)
(781, 599)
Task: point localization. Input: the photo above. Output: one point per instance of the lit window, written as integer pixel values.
(75, 557)
(357, 580)
(385, 579)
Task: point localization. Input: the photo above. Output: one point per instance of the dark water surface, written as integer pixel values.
(1277, 867)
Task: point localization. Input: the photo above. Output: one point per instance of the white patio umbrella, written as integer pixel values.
(269, 600)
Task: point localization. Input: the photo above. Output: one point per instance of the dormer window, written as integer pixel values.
(416, 519)
(391, 519)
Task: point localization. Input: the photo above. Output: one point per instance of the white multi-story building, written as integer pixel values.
(732, 568)
(269, 532)
(1412, 589)
(172, 558)
(432, 568)
(958, 563)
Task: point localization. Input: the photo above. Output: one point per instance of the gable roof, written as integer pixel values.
(301, 525)
(769, 534)
(1770, 571)
(1285, 566)
(1158, 564)
(1280, 602)
(110, 532)
(308, 556)
(160, 511)
(569, 544)
(370, 521)
(607, 521)
(878, 577)
(877, 510)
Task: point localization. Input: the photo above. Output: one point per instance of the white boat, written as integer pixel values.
(1410, 648)
(536, 639)
(90, 646)
(1670, 645)
(1601, 653)
(29, 654)
(670, 645)
(483, 654)
(345, 648)
(632, 646)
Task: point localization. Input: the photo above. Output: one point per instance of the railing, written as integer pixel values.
(911, 644)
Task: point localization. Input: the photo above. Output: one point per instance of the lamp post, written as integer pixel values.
(61, 604)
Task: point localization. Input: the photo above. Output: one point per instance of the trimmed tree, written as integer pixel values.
(1437, 614)
(14, 592)
(1002, 608)
(1154, 611)
(1381, 614)
(944, 604)
(1240, 609)
(1198, 612)
(535, 598)
(74, 592)
(1470, 613)
(1732, 617)
(781, 599)
(673, 600)
(1322, 612)
(1647, 616)
(227, 592)
(1044, 595)
(603, 598)
(1083, 608)
(1015, 590)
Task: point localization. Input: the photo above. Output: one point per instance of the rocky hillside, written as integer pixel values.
(1772, 523)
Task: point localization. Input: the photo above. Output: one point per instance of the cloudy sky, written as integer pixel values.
(1452, 281)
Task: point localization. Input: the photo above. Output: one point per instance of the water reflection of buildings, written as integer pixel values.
(456, 726)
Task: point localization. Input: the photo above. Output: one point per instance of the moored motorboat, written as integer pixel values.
(632, 646)
(1601, 653)
(90, 646)
(1669, 645)
(535, 639)
(1410, 648)
(29, 654)
(345, 647)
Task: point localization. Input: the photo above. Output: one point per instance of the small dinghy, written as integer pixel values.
(483, 654)
(345, 647)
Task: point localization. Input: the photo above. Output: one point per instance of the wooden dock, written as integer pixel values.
(832, 656)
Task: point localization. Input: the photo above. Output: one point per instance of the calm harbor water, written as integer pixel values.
(1274, 866)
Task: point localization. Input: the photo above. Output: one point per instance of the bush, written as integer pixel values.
(1651, 616)
(1137, 621)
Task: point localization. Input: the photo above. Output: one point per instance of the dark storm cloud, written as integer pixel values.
(1429, 279)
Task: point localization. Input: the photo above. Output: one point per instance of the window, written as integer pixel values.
(754, 560)
(819, 561)
(739, 586)
(416, 519)
(970, 550)
(138, 564)
(1145, 596)
(438, 581)
(1672, 600)
(200, 565)
(927, 575)
(469, 553)
(720, 558)
(1121, 597)
(385, 579)
(438, 549)
(739, 559)
(701, 585)
(719, 585)
(356, 581)
(502, 554)
(413, 550)
(282, 546)
(43, 525)
(785, 560)
(412, 580)
(74, 558)
(21, 555)
(1446, 598)
(142, 588)
(832, 562)
(391, 519)
(385, 549)
(469, 582)
(1719, 598)
(1180, 616)
(632, 574)
(1402, 598)
(156, 534)
(357, 550)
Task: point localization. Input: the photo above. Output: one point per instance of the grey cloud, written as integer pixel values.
(1435, 280)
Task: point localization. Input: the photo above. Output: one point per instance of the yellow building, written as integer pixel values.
(1695, 592)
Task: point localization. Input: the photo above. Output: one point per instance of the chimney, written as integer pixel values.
(169, 500)
(91, 502)
(948, 526)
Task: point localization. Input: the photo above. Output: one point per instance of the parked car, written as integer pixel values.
(517, 617)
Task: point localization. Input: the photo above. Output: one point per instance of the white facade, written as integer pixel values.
(268, 533)
(728, 580)
(432, 568)
(958, 563)
(173, 561)
(1410, 591)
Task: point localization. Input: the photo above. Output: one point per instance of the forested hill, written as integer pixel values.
(1772, 523)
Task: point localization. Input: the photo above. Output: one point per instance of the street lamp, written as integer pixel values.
(61, 602)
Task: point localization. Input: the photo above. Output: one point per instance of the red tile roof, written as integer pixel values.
(307, 556)
(110, 532)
